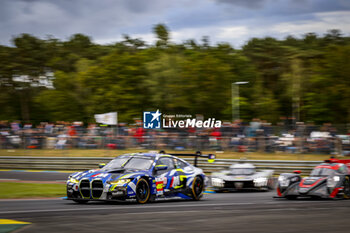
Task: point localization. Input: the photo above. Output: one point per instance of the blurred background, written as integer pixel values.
(276, 74)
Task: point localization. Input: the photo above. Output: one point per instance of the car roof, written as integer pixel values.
(147, 154)
(242, 165)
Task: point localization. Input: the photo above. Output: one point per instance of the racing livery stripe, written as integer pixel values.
(310, 185)
(335, 192)
(132, 186)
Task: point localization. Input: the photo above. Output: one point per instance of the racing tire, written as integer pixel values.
(81, 201)
(346, 188)
(143, 191)
(291, 197)
(197, 188)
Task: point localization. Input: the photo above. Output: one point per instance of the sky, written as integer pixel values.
(232, 21)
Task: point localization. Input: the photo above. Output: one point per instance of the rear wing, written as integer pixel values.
(211, 157)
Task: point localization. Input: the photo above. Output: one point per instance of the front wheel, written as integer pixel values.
(142, 191)
(346, 188)
(197, 188)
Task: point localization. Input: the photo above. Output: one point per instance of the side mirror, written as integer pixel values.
(101, 165)
(297, 171)
(161, 167)
(211, 158)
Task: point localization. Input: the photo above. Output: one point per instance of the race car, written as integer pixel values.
(143, 177)
(327, 180)
(241, 176)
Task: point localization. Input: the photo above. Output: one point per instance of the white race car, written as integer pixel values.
(241, 176)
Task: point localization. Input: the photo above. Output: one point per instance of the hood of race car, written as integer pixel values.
(237, 177)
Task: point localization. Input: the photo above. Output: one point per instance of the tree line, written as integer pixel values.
(305, 78)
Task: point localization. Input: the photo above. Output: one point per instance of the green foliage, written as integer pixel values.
(61, 104)
(162, 34)
(305, 78)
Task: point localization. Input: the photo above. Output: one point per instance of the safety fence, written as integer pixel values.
(84, 163)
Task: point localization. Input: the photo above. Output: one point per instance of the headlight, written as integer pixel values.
(332, 181)
(260, 181)
(217, 182)
(120, 182)
(72, 180)
(283, 181)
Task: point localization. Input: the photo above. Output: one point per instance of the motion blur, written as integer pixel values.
(257, 136)
(247, 98)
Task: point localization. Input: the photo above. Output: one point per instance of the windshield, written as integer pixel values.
(322, 171)
(139, 163)
(242, 171)
(116, 163)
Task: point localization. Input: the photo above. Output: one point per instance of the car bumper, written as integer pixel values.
(104, 194)
(239, 185)
(90, 199)
(319, 192)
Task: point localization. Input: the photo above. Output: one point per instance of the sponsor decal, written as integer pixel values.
(175, 181)
(160, 184)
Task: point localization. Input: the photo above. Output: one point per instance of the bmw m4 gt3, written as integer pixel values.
(144, 177)
(328, 180)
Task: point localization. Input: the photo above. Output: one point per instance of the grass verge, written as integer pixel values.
(30, 190)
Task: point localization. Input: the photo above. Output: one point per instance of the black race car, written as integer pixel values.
(330, 179)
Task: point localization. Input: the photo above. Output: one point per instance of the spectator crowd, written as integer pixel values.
(238, 136)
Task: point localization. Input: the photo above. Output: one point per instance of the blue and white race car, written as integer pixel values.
(142, 176)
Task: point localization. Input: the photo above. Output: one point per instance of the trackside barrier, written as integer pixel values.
(83, 163)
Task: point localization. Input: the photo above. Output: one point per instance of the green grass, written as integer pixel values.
(114, 153)
(28, 190)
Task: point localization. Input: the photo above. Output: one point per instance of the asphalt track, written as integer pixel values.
(17, 175)
(218, 212)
